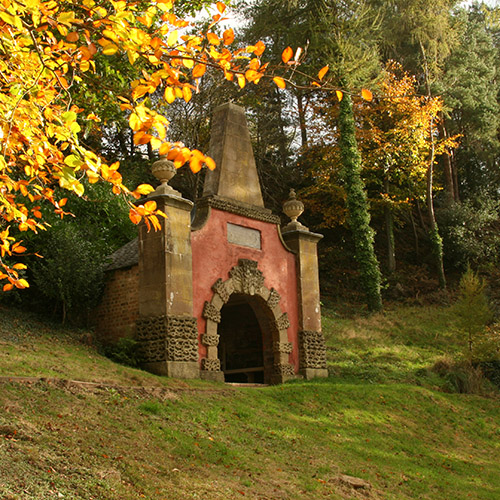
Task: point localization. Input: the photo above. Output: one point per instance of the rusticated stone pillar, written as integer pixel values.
(312, 349)
(166, 329)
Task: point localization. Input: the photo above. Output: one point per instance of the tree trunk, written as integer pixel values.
(302, 119)
(449, 181)
(357, 206)
(415, 234)
(454, 172)
(282, 138)
(436, 240)
(389, 227)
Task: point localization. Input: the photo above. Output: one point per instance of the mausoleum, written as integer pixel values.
(222, 292)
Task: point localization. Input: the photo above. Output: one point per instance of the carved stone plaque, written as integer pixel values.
(243, 236)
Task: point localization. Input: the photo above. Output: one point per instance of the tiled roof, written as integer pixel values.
(126, 256)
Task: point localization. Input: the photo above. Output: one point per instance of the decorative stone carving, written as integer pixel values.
(223, 288)
(282, 323)
(293, 208)
(167, 338)
(151, 334)
(211, 312)
(164, 170)
(151, 328)
(312, 349)
(283, 347)
(182, 339)
(210, 340)
(210, 365)
(283, 369)
(274, 299)
(248, 279)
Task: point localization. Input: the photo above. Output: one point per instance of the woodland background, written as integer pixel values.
(429, 143)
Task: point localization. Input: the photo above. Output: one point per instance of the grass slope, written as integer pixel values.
(382, 416)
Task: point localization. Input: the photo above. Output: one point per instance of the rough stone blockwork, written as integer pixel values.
(167, 338)
(283, 369)
(312, 350)
(210, 365)
(119, 308)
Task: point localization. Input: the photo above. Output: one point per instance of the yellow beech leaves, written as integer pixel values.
(46, 50)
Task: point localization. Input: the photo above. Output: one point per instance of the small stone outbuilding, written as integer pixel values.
(221, 292)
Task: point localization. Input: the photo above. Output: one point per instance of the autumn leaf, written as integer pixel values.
(213, 39)
(228, 36)
(366, 95)
(322, 72)
(287, 54)
(340, 94)
(210, 163)
(199, 70)
(169, 95)
(110, 49)
(186, 93)
(134, 216)
(279, 82)
(144, 189)
(259, 48)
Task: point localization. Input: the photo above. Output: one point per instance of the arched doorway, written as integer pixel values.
(246, 330)
(245, 341)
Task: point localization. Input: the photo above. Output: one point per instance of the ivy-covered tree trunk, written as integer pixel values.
(435, 237)
(357, 206)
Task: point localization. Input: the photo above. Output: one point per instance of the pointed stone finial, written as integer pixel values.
(164, 170)
(235, 176)
(293, 208)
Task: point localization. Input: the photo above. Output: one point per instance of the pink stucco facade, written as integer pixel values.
(214, 256)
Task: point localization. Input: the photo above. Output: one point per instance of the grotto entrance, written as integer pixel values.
(245, 348)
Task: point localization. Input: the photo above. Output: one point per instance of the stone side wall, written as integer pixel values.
(119, 308)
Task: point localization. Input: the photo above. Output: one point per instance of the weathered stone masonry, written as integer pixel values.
(177, 284)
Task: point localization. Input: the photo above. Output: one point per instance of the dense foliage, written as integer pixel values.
(96, 84)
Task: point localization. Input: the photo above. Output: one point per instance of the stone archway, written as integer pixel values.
(247, 280)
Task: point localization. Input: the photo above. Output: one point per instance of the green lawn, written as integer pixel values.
(383, 416)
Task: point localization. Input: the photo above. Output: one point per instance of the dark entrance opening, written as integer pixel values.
(241, 350)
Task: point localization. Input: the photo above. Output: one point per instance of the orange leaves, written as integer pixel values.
(199, 70)
(259, 48)
(366, 95)
(213, 39)
(49, 49)
(279, 82)
(322, 72)
(287, 55)
(181, 155)
(147, 212)
(228, 36)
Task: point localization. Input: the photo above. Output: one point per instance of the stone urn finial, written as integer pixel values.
(293, 208)
(164, 170)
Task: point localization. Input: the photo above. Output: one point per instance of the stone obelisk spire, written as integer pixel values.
(235, 176)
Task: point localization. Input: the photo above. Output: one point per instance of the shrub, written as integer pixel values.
(473, 313)
(70, 275)
(124, 351)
